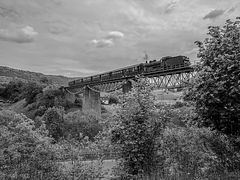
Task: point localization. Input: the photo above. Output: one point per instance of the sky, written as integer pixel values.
(85, 37)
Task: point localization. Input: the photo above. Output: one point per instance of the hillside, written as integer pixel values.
(8, 74)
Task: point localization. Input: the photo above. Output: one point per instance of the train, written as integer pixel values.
(149, 67)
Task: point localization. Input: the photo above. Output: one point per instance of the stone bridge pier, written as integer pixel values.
(91, 102)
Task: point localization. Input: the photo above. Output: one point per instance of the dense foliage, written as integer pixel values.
(30, 92)
(13, 91)
(136, 131)
(27, 76)
(53, 118)
(78, 125)
(196, 140)
(26, 152)
(216, 90)
(197, 152)
(24, 149)
(166, 140)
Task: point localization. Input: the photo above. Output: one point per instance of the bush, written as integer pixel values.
(113, 100)
(197, 152)
(54, 120)
(25, 151)
(14, 91)
(75, 168)
(54, 97)
(17, 90)
(103, 109)
(50, 98)
(31, 90)
(179, 104)
(78, 125)
(216, 90)
(78, 102)
(136, 131)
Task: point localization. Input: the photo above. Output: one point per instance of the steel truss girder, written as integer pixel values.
(171, 81)
(166, 81)
(109, 87)
(75, 91)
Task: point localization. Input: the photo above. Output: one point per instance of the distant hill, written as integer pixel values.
(8, 74)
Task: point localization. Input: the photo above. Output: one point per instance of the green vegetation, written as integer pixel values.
(136, 131)
(24, 149)
(53, 118)
(11, 74)
(195, 139)
(165, 139)
(14, 91)
(113, 99)
(27, 152)
(78, 125)
(216, 92)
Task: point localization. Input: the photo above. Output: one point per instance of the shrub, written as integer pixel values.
(78, 125)
(14, 91)
(75, 168)
(31, 90)
(136, 131)
(103, 109)
(25, 151)
(51, 98)
(216, 90)
(78, 102)
(197, 152)
(113, 100)
(54, 120)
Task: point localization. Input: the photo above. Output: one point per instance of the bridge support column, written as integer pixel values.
(127, 87)
(91, 102)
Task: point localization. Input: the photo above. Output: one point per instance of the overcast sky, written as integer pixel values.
(85, 37)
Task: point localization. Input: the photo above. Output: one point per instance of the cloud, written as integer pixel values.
(102, 43)
(23, 35)
(58, 27)
(214, 14)
(115, 35)
(170, 6)
(231, 10)
(6, 12)
(108, 40)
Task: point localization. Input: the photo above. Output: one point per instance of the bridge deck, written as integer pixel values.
(147, 74)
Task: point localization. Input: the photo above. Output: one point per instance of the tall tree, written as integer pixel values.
(216, 90)
(136, 131)
(53, 118)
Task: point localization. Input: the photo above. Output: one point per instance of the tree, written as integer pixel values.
(136, 131)
(216, 90)
(78, 125)
(14, 91)
(31, 90)
(24, 150)
(54, 120)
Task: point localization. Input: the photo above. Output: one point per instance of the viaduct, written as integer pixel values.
(161, 79)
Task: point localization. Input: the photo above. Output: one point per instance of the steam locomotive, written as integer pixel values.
(164, 64)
